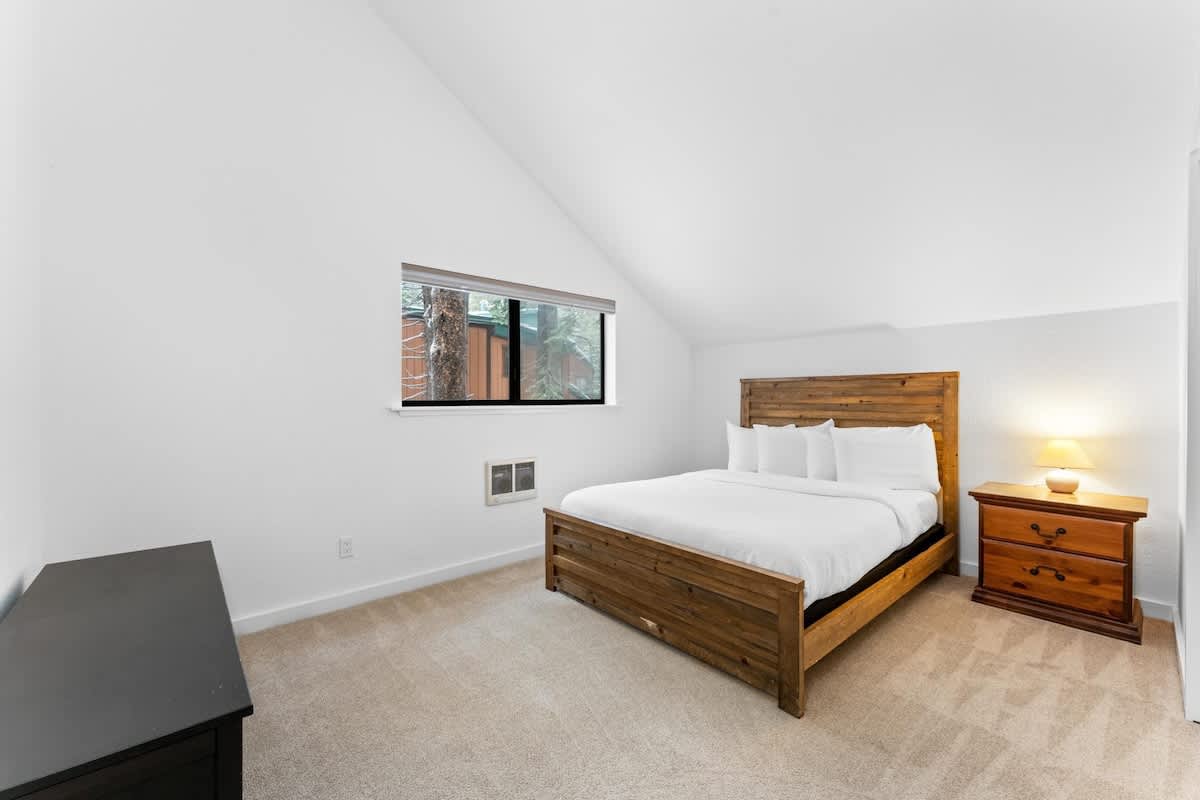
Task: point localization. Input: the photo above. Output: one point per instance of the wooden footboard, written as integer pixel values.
(745, 621)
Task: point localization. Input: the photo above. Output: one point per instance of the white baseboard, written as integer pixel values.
(1157, 610)
(365, 594)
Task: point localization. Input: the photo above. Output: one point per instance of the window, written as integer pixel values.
(477, 341)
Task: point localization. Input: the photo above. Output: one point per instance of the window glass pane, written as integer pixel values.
(455, 345)
(560, 353)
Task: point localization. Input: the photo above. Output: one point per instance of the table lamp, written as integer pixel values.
(1063, 455)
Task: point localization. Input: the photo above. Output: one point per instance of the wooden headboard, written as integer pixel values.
(856, 400)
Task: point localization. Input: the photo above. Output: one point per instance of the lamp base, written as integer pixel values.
(1062, 481)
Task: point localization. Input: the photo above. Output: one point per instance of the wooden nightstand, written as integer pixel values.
(1067, 558)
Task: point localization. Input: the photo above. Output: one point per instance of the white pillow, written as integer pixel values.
(782, 451)
(743, 446)
(743, 451)
(889, 458)
(822, 462)
(787, 450)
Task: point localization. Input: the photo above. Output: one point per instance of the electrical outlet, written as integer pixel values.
(345, 547)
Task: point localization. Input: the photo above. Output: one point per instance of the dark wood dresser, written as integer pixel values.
(1067, 558)
(120, 678)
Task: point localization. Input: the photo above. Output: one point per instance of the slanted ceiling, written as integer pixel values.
(766, 169)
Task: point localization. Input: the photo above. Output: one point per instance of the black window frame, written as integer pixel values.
(514, 370)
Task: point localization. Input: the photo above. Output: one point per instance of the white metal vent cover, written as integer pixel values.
(510, 480)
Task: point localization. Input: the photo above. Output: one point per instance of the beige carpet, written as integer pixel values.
(492, 687)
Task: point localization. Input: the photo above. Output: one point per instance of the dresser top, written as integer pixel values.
(1038, 495)
(104, 654)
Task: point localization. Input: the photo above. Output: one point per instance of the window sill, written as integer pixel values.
(475, 411)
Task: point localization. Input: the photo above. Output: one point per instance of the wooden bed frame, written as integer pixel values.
(747, 621)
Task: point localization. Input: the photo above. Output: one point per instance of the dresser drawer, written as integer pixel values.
(180, 771)
(1093, 537)
(1079, 582)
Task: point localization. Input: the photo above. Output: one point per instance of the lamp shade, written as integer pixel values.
(1064, 454)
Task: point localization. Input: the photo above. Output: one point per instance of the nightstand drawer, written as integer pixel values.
(1087, 584)
(1094, 537)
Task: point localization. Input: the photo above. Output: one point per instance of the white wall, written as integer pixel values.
(20, 541)
(1189, 551)
(231, 188)
(1108, 378)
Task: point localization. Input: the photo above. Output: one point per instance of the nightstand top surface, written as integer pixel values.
(1040, 495)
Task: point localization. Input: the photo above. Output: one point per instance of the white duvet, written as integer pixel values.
(828, 533)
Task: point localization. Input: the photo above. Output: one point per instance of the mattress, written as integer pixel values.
(828, 533)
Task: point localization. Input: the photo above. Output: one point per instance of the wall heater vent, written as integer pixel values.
(510, 480)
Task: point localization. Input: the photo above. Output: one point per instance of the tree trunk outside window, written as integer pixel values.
(446, 322)
(549, 379)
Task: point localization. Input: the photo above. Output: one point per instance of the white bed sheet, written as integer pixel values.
(828, 533)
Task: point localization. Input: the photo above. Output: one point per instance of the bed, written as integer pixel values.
(681, 576)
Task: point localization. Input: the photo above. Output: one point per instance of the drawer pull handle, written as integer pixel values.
(1049, 537)
(1058, 576)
